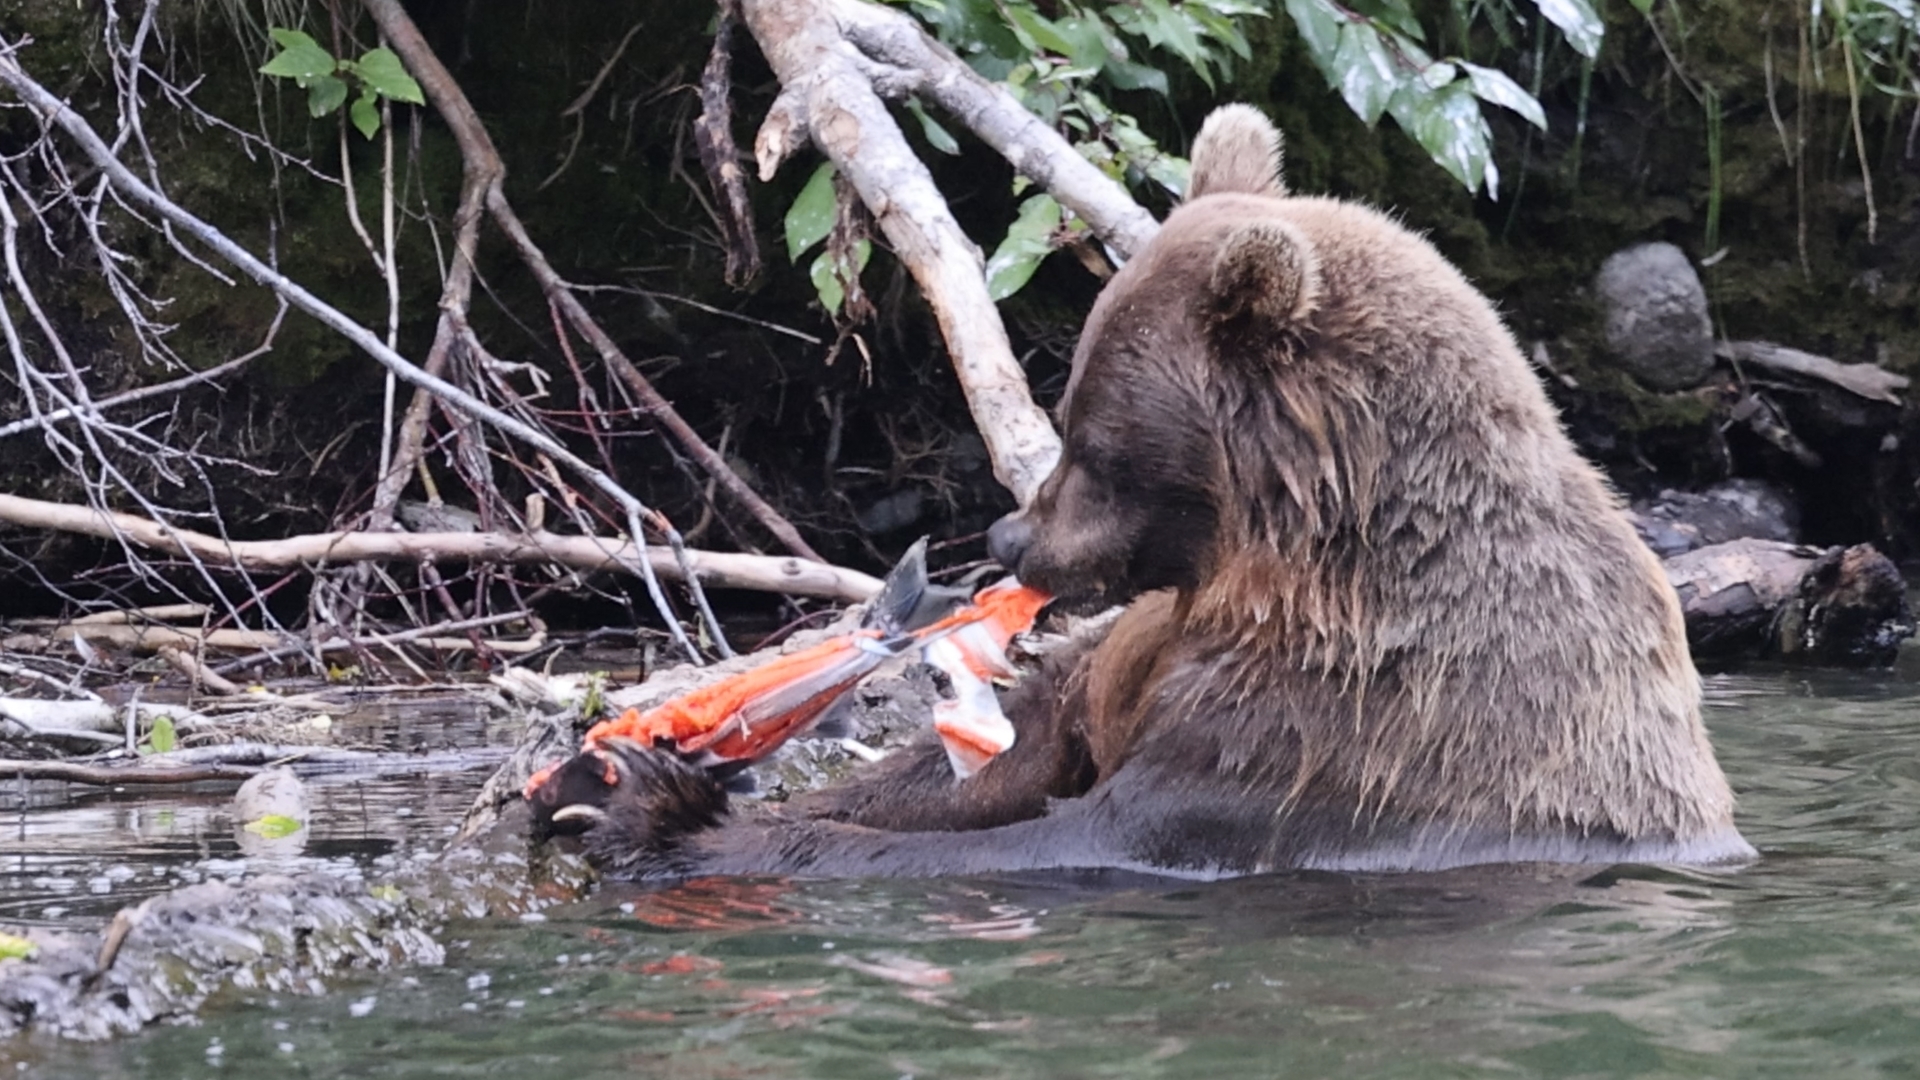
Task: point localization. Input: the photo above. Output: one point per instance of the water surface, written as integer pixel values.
(1806, 964)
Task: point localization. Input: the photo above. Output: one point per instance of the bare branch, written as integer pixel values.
(713, 132)
(849, 122)
(791, 576)
(453, 106)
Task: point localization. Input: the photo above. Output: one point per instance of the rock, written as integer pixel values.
(1655, 316)
(1681, 521)
(159, 960)
(270, 815)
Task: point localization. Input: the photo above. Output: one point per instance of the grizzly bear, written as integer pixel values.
(1383, 616)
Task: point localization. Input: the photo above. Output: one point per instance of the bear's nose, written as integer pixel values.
(1009, 539)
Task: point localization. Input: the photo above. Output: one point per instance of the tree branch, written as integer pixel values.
(768, 573)
(1035, 150)
(452, 104)
(828, 97)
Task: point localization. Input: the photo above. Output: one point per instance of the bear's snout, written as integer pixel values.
(1009, 539)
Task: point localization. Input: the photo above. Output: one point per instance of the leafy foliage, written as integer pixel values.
(1061, 59)
(1884, 35)
(1029, 240)
(809, 221)
(328, 81)
(1379, 64)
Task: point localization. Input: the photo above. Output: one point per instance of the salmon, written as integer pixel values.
(739, 720)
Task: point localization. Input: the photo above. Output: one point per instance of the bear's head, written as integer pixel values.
(1182, 348)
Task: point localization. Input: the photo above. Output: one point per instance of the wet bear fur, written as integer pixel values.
(1383, 616)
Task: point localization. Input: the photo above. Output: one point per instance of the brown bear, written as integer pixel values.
(1384, 617)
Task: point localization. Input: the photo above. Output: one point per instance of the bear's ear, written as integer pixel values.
(1238, 149)
(1266, 277)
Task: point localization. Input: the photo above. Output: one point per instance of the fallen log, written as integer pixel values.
(1766, 598)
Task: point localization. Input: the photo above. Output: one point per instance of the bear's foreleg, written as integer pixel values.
(914, 790)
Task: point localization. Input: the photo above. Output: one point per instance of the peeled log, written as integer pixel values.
(1766, 598)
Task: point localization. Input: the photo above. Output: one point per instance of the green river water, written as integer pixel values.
(1805, 964)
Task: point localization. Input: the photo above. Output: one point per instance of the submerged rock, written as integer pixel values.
(1655, 316)
(163, 958)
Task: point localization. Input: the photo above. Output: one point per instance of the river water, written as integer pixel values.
(1805, 964)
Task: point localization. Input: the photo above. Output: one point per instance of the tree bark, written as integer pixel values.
(1869, 381)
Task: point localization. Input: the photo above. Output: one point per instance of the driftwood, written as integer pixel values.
(1745, 598)
(1869, 381)
(42, 717)
(157, 638)
(793, 576)
(75, 772)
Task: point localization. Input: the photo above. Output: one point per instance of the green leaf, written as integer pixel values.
(810, 218)
(301, 58)
(1644, 7)
(1367, 78)
(1028, 241)
(1169, 172)
(1494, 86)
(1038, 32)
(1131, 75)
(826, 283)
(1449, 126)
(1435, 76)
(325, 94)
(1393, 14)
(937, 137)
(365, 113)
(15, 948)
(1090, 43)
(274, 826)
(1578, 21)
(383, 73)
(288, 38)
(161, 736)
(1319, 27)
(1169, 29)
(830, 280)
